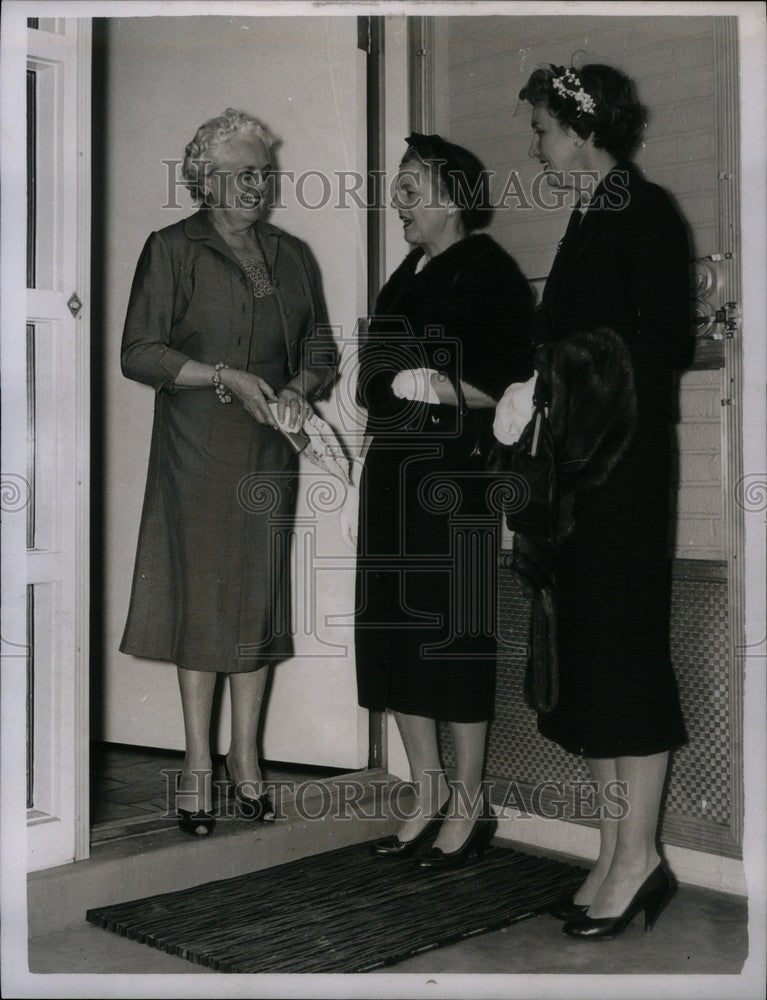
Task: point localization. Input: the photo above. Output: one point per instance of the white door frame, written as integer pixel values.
(56, 386)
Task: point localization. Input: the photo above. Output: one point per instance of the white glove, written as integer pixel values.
(348, 516)
(415, 384)
(284, 426)
(514, 411)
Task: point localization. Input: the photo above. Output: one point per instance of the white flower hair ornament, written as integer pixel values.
(568, 85)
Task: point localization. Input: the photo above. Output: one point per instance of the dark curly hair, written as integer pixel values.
(613, 116)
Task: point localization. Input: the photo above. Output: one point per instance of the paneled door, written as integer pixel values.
(55, 426)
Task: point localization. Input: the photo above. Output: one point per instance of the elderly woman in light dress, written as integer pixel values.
(223, 310)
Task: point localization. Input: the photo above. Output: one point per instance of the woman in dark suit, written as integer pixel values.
(622, 264)
(450, 327)
(222, 311)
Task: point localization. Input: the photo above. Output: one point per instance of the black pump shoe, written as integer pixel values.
(651, 897)
(196, 824)
(258, 809)
(393, 847)
(477, 842)
(566, 909)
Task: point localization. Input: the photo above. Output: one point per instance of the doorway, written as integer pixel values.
(305, 77)
(53, 424)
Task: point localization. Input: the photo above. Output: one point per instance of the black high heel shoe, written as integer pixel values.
(256, 808)
(393, 847)
(196, 824)
(477, 842)
(566, 909)
(651, 896)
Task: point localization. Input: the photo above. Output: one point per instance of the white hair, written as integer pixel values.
(210, 135)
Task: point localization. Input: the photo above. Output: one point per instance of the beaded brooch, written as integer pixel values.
(258, 275)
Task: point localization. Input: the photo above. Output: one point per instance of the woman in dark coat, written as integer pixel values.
(450, 327)
(623, 264)
(222, 312)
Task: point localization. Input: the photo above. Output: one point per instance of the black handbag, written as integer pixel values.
(528, 471)
(531, 508)
(472, 441)
(541, 686)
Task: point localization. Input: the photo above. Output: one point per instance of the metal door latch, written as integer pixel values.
(729, 315)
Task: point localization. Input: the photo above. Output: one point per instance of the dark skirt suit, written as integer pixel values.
(427, 549)
(625, 266)
(210, 587)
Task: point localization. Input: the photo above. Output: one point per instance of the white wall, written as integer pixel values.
(304, 76)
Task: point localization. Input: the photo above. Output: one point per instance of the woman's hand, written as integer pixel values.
(292, 409)
(253, 392)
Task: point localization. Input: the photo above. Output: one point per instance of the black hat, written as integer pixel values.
(465, 177)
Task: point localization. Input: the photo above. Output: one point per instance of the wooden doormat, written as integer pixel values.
(342, 911)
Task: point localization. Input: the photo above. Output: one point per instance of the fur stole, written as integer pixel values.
(593, 409)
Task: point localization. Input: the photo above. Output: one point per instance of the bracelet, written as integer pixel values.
(221, 390)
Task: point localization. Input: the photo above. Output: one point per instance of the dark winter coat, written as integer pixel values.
(427, 550)
(624, 266)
